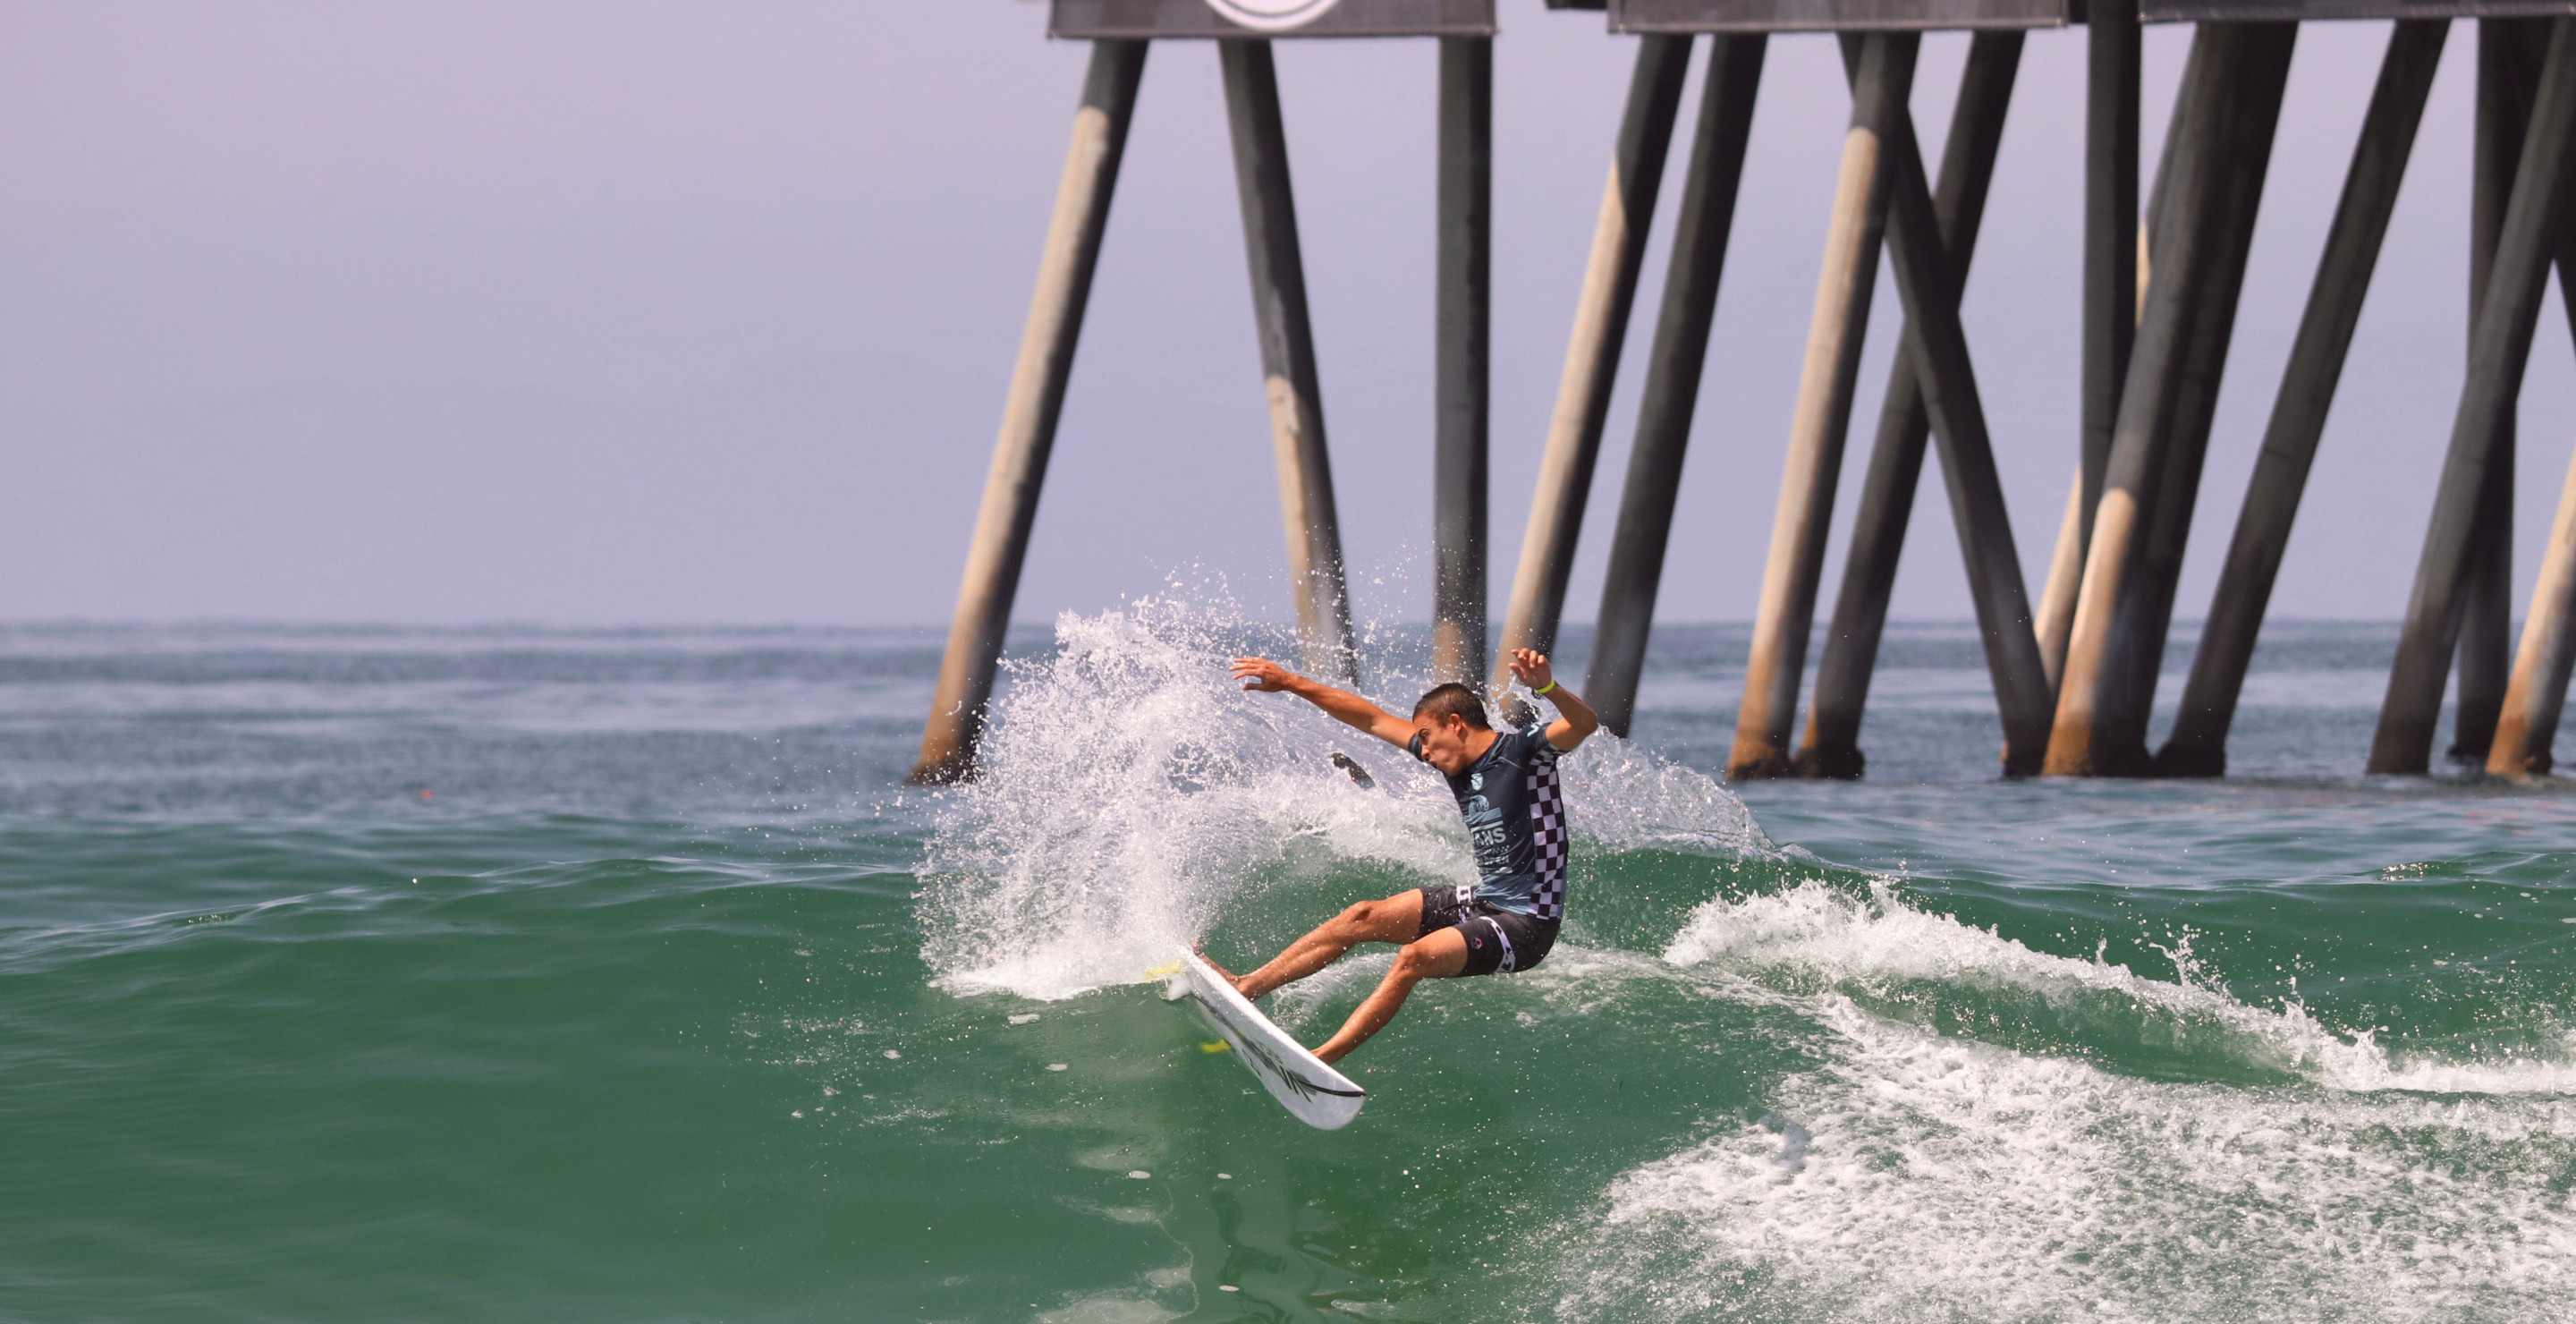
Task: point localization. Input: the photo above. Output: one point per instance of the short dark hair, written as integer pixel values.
(1455, 700)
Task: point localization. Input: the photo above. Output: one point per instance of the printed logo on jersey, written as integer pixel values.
(1271, 15)
(1475, 781)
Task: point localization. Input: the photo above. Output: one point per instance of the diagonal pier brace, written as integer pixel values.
(1831, 746)
(1592, 351)
(2198, 745)
(2533, 232)
(1673, 369)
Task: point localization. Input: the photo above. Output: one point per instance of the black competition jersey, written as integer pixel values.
(1516, 820)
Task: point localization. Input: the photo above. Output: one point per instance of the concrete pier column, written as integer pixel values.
(2527, 725)
(2203, 224)
(1464, 351)
(1831, 745)
(1823, 413)
(2198, 745)
(2532, 233)
(2085, 490)
(1011, 487)
(1672, 376)
(1288, 359)
(2065, 577)
(2506, 71)
(1592, 352)
(2255, 115)
(2112, 244)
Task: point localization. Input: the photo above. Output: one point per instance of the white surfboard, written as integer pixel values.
(1312, 1092)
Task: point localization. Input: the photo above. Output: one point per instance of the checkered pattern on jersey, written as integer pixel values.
(1547, 834)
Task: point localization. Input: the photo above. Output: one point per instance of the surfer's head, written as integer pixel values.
(1450, 728)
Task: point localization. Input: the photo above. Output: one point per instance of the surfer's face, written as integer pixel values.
(1445, 742)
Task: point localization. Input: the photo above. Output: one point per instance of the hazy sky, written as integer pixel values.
(592, 311)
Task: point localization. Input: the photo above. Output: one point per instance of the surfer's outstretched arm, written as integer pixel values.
(1575, 720)
(1263, 674)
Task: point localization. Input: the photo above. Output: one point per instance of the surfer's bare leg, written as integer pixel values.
(1436, 956)
(1397, 919)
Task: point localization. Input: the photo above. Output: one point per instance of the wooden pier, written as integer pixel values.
(2074, 667)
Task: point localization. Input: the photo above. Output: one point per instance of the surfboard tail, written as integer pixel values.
(1308, 1087)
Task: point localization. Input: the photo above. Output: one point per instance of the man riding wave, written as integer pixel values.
(1506, 786)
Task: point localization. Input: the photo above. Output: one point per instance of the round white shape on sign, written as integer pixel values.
(1271, 15)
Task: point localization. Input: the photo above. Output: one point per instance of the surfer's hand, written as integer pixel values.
(1530, 668)
(1260, 673)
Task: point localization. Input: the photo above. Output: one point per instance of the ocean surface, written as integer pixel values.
(520, 974)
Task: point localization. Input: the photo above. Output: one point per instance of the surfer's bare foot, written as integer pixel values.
(1230, 976)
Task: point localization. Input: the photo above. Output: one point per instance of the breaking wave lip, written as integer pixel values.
(1129, 793)
(1873, 949)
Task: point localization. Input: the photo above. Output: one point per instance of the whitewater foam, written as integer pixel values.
(1923, 1175)
(1941, 1178)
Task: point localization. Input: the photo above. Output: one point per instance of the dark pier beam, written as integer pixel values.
(1939, 348)
(2112, 242)
(2198, 746)
(2203, 228)
(1592, 352)
(1288, 359)
(1672, 376)
(2533, 233)
(2505, 48)
(1823, 414)
(1831, 745)
(1464, 327)
(2159, 571)
(1011, 488)
(2536, 697)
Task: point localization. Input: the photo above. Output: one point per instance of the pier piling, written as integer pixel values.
(1823, 413)
(2113, 241)
(1464, 326)
(2208, 193)
(1288, 359)
(2198, 745)
(1673, 367)
(1831, 744)
(1592, 351)
(2527, 723)
(1018, 473)
(2503, 107)
(2531, 236)
(2253, 119)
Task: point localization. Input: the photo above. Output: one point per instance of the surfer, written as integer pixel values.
(1505, 782)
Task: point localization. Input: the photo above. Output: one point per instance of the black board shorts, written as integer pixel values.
(1497, 939)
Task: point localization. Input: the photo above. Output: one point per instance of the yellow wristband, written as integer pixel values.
(1551, 684)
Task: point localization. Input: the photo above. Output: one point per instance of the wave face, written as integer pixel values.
(352, 975)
